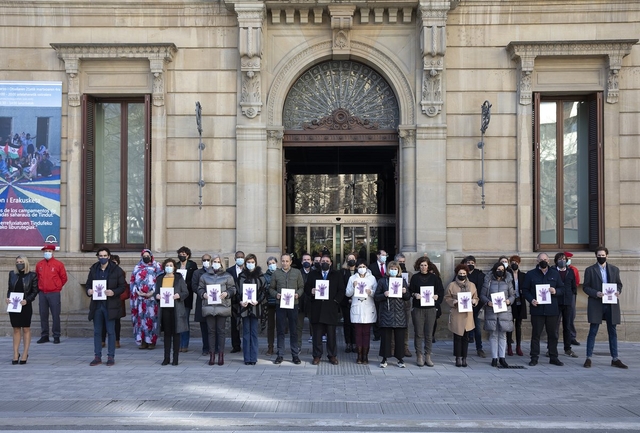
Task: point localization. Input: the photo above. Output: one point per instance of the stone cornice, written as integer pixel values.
(158, 55)
(525, 53)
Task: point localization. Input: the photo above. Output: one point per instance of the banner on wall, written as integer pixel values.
(30, 131)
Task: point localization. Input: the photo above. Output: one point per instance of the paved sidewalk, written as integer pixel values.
(58, 389)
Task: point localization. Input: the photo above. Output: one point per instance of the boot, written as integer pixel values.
(458, 362)
(365, 356)
(348, 348)
(176, 350)
(269, 351)
(419, 359)
(212, 358)
(221, 358)
(427, 360)
(503, 363)
(464, 361)
(518, 350)
(509, 350)
(360, 355)
(494, 362)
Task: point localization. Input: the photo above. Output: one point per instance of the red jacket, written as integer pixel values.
(51, 275)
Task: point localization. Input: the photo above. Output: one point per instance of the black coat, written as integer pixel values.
(534, 277)
(29, 285)
(570, 287)
(428, 279)
(391, 313)
(115, 282)
(191, 267)
(256, 277)
(519, 307)
(320, 311)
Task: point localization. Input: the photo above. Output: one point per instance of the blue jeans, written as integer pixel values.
(611, 330)
(185, 336)
(100, 320)
(290, 315)
(250, 339)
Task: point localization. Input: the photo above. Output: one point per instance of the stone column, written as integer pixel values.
(407, 189)
(72, 152)
(275, 182)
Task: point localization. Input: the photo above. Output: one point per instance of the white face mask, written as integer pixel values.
(393, 272)
(251, 266)
(206, 264)
(168, 269)
(383, 259)
(568, 262)
(239, 261)
(273, 267)
(362, 271)
(216, 266)
(48, 255)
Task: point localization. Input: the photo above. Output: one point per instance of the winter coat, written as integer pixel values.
(115, 282)
(502, 322)
(321, 311)
(535, 277)
(195, 283)
(179, 309)
(256, 277)
(418, 280)
(519, 307)
(459, 322)
(191, 267)
(363, 310)
(227, 285)
(52, 275)
(286, 280)
(592, 285)
(392, 310)
(29, 285)
(570, 287)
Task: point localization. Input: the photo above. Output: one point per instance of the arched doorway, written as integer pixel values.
(340, 157)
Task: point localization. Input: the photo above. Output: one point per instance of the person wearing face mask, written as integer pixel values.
(519, 307)
(565, 303)
(378, 270)
(235, 272)
(348, 270)
(186, 267)
(307, 266)
(22, 280)
(324, 315)
(197, 316)
(576, 274)
(272, 302)
(217, 314)
(392, 318)
(460, 323)
(543, 315)
(123, 309)
(498, 324)
(363, 309)
(424, 318)
(594, 277)
(476, 276)
(52, 276)
(402, 262)
(251, 311)
(104, 313)
(172, 320)
(144, 308)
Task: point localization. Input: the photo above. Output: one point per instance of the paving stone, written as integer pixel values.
(294, 407)
(329, 407)
(260, 406)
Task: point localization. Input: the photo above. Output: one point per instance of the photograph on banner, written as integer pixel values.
(30, 131)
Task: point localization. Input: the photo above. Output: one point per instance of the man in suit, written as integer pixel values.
(594, 277)
(378, 270)
(324, 315)
(235, 272)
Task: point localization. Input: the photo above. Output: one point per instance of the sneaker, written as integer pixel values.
(481, 353)
(42, 340)
(618, 363)
(96, 361)
(383, 364)
(400, 364)
(278, 360)
(570, 353)
(110, 361)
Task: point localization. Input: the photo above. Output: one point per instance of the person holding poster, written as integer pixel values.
(424, 317)
(348, 270)
(596, 277)
(186, 267)
(251, 306)
(324, 314)
(22, 280)
(216, 314)
(144, 308)
(52, 276)
(287, 277)
(542, 287)
(197, 315)
(392, 318)
(460, 323)
(104, 313)
(497, 294)
(566, 304)
(360, 288)
(172, 320)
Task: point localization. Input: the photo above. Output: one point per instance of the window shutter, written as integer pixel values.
(596, 173)
(88, 173)
(535, 125)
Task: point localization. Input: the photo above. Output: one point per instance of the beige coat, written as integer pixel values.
(460, 322)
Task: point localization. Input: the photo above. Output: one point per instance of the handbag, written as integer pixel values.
(126, 294)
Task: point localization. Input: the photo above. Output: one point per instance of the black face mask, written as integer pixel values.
(471, 268)
(602, 260)
(351, 263)
(403, 267)
(461, 278)
(499, 273)
(182, 258)
(543, 264)
(306, 265)
(146, 259)
(514, 266)
(20, 266)
(325, 266)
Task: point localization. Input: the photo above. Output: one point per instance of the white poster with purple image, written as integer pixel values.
(426, 296)
(360, 288)
(395, 287)
(287, 298)
(465, 304)
(543, 293)
(322, 290)
(14, 305)
(166, 297)
(249, 292)
(609, 293)
(499, 302)
(213, 294)
(99, 290)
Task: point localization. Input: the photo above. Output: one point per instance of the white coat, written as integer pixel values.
(363, 310)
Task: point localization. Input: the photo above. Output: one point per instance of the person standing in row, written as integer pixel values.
(324, 315)
(105, 312)
(348, 270)
(251, 311)
(498, 324)
(235, 272)
(378, 270)
(144, 308)
(272, 302)
(186, 267)
(52, 276)
(22, 280)
(460, 324)
(402, 262)
(565, 303)
(172, 320)
(363, 309)
(123, 297)
(476, 276)
(197, 316)
(519, 307)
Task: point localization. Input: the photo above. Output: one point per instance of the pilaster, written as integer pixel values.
(250, 22)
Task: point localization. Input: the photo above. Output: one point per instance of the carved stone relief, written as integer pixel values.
(250, 22)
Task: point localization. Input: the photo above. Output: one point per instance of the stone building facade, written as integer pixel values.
(378, 97)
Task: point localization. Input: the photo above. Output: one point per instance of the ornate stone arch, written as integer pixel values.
(301, 60)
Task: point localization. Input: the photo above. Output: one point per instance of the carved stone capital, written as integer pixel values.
(525, 54)
(341, 24)
(407, 137)
(274, 138)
